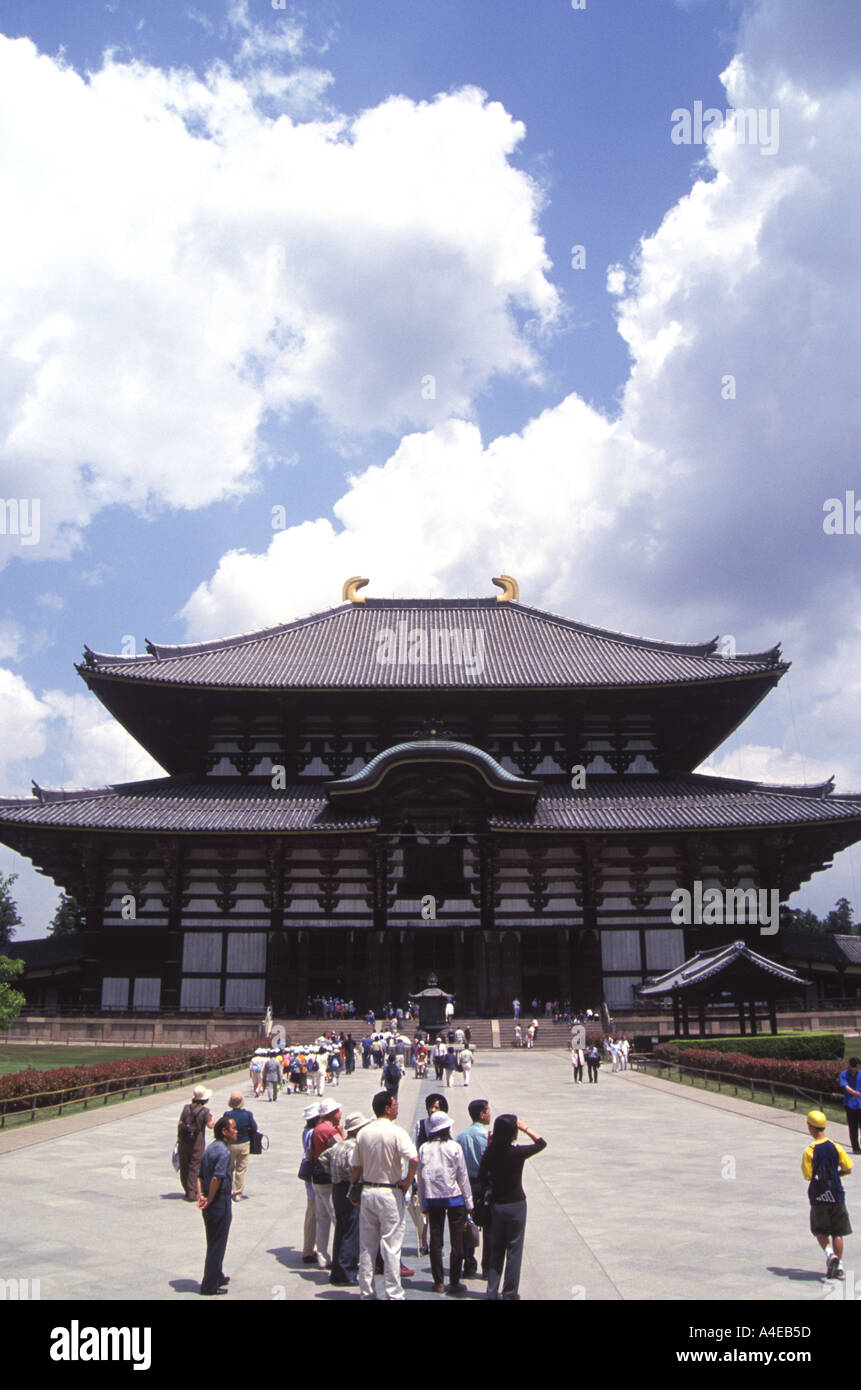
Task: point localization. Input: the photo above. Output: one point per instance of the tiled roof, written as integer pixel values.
(178, 804)
(49, 952)
(437, 750)
(689, 802)
(826, 947)
(466, 643)
(606, 805)
(707, 965)
(850, 947)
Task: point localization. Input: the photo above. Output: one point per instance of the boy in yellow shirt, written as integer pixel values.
(822, 1165)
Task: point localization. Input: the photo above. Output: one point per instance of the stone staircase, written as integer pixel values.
(487, 1033)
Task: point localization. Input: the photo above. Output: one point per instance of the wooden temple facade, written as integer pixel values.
(388, 789)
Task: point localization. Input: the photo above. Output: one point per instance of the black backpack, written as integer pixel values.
(825, 1187)
(190, 1126)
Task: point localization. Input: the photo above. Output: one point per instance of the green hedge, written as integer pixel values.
(795, 1047)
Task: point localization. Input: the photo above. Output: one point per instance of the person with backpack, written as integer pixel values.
(822, 1165)
(317, 1072)
(255, 1071)
(391, 1075)
(194, 1121)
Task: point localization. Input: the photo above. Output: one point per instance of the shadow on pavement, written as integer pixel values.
(185, 1285)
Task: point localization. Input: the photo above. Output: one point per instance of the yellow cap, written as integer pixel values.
(817, 1118)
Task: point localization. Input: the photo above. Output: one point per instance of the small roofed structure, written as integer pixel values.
(431, 1004)
(736, 970)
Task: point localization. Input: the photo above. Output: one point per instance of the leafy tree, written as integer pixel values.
(9, 918)
(67, 918)
(801, 920)
(839, 919)
(12, 1000)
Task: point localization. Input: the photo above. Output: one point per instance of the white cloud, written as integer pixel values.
(215, 264)
(81, 745)
(11, 640)
(753, 762)
(738, 419)
(87, 746)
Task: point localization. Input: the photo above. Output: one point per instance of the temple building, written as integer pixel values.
(473, 788)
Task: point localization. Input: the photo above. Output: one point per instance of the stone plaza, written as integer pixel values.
(647, 1190)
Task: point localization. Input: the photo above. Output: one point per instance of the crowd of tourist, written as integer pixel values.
(364, 1175)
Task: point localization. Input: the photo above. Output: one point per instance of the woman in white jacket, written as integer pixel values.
(444, 1188)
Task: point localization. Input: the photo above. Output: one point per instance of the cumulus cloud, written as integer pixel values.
(81, 744)
(216, 264)
(699, 507)
(87, 746)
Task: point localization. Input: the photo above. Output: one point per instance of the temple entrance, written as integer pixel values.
(539, 968)
(433, 953)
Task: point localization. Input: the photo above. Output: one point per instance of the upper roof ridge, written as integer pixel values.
(158, 651)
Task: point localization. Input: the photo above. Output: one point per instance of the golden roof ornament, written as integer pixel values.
(349, 594)
(510, 589)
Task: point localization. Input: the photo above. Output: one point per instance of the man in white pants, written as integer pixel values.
(383, 1149)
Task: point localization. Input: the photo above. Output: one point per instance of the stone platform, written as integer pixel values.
(647, 1190)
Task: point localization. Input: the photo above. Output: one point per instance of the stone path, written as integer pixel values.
(647, 1190)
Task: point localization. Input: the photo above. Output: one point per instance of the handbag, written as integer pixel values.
(174, 1158)
(481, 1212)
(259, 1142)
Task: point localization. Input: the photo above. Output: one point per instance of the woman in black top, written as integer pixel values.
(501, 1172)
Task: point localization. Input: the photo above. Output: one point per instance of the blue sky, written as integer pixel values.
(239, 239)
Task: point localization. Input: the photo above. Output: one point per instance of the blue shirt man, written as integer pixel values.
(473, 1141)
(214, 1184)
(850, 1082)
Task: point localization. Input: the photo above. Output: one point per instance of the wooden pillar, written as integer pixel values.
(91, 898)
(741, 1023)
(172, 858)
(686, 1029)
(301, 985)
(405, 970)
(772, 1014)
(493, 959)
(753, 1018)
(481, 973)
(677, 1017)
(458, 985)
(701, 1017)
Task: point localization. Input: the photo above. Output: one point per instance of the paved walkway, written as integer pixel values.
(647, 1190)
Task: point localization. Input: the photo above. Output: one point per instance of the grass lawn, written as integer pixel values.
(761, 1094)
(18, 1056)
